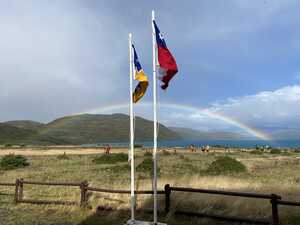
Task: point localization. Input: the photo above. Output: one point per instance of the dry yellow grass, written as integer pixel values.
(266, 174)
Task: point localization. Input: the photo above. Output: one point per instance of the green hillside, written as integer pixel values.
(87, 128)
(83, 129)
(14, 135)
(26, 124)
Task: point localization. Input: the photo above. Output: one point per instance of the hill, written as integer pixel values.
(84, 129)
(191, 134)
(26, 124)
(14, 135)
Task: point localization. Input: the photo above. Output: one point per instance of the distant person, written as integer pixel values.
(207, 148)
(192, 148)
(107, 149)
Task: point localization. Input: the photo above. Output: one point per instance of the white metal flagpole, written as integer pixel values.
(131, 129)
(154, 123)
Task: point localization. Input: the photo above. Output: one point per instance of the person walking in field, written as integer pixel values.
(107, 149)
(192, 148)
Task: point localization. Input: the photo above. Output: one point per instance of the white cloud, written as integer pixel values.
(278, 108)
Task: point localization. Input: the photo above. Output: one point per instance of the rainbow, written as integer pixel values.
(206, 112)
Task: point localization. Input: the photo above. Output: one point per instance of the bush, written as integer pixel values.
(256, 152)
(63, 156)
(11, 161)
(275, 151)
(111, 158)
(117, 169)
(166, 153)
(226, 165)
(8, 145)
(138, 146)
(146, 166)
(182, 157)
(148, 154)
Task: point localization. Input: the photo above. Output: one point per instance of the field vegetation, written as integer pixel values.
(266, 172)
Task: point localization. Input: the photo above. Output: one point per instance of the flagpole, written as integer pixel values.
(154, 124)
(131, 130)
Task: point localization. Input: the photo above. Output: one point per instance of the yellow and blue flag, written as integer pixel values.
(140, 76)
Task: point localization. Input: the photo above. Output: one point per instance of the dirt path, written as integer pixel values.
(68, 151)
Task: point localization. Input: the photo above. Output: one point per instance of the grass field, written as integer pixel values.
(266, 173)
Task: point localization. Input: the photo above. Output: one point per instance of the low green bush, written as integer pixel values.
(256, 152)
(182, 157)
(225, 165)
(146, 166)
(166, 153)
(63, 156)
(138, 146)
(275, 151)
(111, 158)
(148, 154)
(118, 169)
(12, 161)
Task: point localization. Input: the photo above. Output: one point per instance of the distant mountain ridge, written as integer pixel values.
(91, 129)
(81, 129)
(26, 124)
(9, 134)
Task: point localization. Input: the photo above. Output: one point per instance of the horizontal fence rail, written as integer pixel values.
(84, 187)
(272, 197)
(289, 203)
(51, 183)
(121, 191)
(218, 192)
(43, 202)
(7, 184)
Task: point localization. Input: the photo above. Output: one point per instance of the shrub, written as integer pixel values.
(148, 154)
(111, 158)
(63, 156)
(256, 152)
(138, 145)
(8, 145)
(117, 169)
(226, 165)
(275, 151)
(11, 161)
(166, 153)
(146, 166)
(181, 157)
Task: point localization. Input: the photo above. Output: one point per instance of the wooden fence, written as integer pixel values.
(275, 200)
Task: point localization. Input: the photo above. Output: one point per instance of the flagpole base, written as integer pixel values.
(138, 222)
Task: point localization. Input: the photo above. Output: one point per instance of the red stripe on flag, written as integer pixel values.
(168, 64)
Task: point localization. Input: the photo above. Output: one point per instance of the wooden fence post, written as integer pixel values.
(83, 195)
(21, 184)
(16, 191)
(167, 198)
(275, 216)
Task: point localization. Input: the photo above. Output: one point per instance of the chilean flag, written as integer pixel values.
(167, 63)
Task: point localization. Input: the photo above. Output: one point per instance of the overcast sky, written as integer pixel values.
(236, 57)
